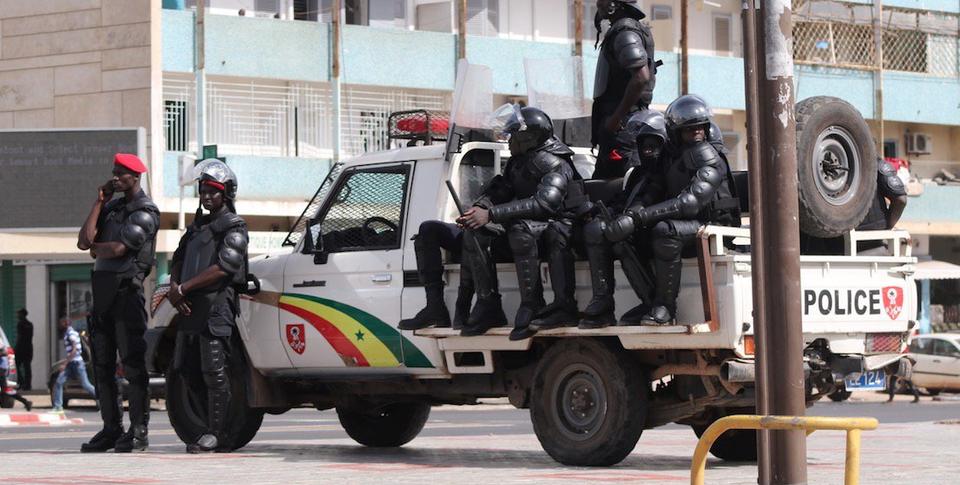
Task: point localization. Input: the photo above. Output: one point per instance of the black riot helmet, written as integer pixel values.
(629, 7)
(648, 122)
(687, 111)
(527, 128)
(216, 173)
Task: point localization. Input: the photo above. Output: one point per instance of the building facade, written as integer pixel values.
(275, 108)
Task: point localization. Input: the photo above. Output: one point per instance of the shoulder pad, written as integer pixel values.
(629, 50)
(143, 219)
(700, 155)
(226, 221)
(888, 183)
(625, 23)
(546, 162)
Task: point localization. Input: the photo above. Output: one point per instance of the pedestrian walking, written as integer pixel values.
(24, 350)
(120, 234)
(72, 367)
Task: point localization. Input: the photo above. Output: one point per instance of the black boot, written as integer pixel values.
(634, 315)
(486, 314)
(435, 314)
(598, 313)
(521, 324)
(105, 440)
(556, 314)
(461, 311)
(668, 287)
(135, 439)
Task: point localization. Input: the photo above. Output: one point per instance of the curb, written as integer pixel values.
(37, 419)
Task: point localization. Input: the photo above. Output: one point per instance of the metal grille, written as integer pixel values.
(841, 34)
(313, 208)
(178, 114)
(365, 212)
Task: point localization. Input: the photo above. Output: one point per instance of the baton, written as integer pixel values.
(456, 200)
(636, 272)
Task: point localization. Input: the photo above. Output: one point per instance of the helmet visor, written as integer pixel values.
(506, 121)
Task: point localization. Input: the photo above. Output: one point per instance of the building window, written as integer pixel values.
(661, 12)
(483, 17)
(374, 13)
(175, 121)
(435, 17)
(722, 34)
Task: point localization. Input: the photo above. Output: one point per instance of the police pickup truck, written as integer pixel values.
(320, 329)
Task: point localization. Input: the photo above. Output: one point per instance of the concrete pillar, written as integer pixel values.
(37, 302)
(924, 306)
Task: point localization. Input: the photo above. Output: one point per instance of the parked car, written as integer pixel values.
(73, 390)
(8, 388)
(937, 366)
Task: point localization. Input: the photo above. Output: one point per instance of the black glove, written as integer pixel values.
(619, 229)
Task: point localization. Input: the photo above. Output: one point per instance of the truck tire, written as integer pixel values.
(735, 444)
(588, 403)
(186, 404)
(836, 166)
(840, 395)
(386, 426)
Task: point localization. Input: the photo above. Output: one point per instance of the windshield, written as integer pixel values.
(296, 232)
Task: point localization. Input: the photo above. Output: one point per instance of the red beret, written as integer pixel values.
(130, 161)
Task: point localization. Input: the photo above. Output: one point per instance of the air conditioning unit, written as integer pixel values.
(919, 143)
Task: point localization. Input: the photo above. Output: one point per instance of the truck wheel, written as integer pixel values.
(836, 166)
(187, 404)
(386, 426)
(735, 444)
(588, 403)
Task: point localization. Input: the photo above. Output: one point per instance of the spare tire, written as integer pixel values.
(836, 166)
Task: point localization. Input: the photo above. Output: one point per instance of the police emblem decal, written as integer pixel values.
(893, 301)
(296, 337)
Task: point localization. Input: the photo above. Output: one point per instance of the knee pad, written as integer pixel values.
(666, 243)
(521, 240)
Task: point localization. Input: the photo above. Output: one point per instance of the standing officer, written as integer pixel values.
(697, 191)
(24, 350)
(529, 199)
(641, 185)
(624, 81)
(120, 234)
(206, 269)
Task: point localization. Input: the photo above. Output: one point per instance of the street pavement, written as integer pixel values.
(916, 444)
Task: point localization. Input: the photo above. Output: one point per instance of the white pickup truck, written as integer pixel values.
(321, 330)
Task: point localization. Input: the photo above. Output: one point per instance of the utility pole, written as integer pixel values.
(200, 104)
(335, 75)
(748, 19)
(578, 27)
(461, 29)
(878, 74)
(684, 54)
(782, 384)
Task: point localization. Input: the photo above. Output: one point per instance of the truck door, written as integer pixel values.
(341, 296)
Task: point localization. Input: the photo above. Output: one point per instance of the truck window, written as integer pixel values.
(365, 212)
(921, 346)
(310, 212)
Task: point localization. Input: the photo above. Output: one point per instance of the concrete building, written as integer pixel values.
(277, 113)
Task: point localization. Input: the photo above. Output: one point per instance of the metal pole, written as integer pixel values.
(578, 27)
(684, 61)
(878, 74)
(200, 107)
(335, 75)
(755, 171)
(461, 29)
(781, 245)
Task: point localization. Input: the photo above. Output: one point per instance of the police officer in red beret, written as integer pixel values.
(120, 234)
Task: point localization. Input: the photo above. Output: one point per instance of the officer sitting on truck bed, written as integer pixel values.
(529, 200)
(697, 188)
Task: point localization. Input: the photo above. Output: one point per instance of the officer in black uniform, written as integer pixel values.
(624, 82)
(430, 239)
(207, 268)
(120, 234)
(528, 198)
(698, 190)
(641, 185)
(888, 205)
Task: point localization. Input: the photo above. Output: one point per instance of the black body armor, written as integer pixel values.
(627, 45)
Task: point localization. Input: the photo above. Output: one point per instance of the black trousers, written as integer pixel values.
(120, 330)
(615, 152)
(24, 373)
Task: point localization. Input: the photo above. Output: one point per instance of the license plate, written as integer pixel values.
(873, 379)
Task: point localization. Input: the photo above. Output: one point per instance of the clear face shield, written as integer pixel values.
(509, 125)
(213, 169)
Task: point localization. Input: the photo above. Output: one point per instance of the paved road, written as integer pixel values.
(484, 444)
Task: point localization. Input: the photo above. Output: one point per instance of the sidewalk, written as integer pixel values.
(10, 418)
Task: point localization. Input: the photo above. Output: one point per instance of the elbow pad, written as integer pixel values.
(139, 227)
(233, 252)
(888, 184)
(630, 51)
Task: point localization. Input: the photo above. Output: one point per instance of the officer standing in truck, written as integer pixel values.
(120, 234)
(208, 266)
(623, 84)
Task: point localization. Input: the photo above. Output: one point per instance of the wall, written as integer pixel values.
(260, 178)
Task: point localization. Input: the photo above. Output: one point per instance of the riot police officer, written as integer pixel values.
(120, 234)
(430, 239)
(640, 185)
(207, 268)
(698, 190)
(528, 198)
(624, 82)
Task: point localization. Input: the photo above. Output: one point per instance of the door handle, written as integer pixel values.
(382, 278)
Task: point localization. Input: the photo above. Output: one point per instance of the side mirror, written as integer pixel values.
(315, 247)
